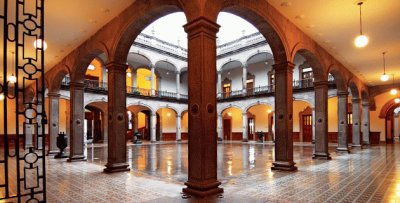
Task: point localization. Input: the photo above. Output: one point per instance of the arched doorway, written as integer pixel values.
(232, 124)
(166, 122)
(302, 121)
(260, 119)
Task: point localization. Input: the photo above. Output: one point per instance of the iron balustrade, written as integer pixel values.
(304, 83)
(165, 94)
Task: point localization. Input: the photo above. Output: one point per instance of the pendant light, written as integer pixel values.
(361, 40)
(393, 91)
(384, 76)
(397, 100)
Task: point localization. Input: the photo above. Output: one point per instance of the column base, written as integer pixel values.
(356, 145)
(202, 189)
(52, 152)
(245, 140)
(179, 141)
(61, 156)
(284, 166)
(220, 139)
(76, 158)
(343, 149)
(322, 156)
(120, 167)
(153, 141)
(365, 146)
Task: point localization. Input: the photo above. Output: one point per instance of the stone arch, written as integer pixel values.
(391, 105)
(258, 103)
(174, 67)
(340, 78)
(168, 107)
(253, 54)
(354, 90)
(96, 99)
(315, 62)
(229, 106)
(141, 104)
(81, 63)
(143, 55)
(147, 12)
(263, 16)
(58, 75)
(228, 62)
(305, 100)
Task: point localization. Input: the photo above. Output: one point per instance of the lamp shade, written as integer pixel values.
(361, 41)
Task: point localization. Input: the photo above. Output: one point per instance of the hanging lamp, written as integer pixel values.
(361, 40)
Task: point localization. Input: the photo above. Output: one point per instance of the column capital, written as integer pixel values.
(320, 83)
(285, 66)
(244, 66)
(219, 72)
(201, 25)
(77, 85)
(355, 100)
(244, 114)
(178, 115)
(365, 104)
(54, 95)
(117, 67)
(342, 93)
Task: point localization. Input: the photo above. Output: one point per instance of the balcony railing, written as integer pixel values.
(302, 84)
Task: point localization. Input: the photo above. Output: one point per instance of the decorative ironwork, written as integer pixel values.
(22, 89)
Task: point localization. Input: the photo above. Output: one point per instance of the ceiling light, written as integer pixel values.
(38, 44)
(397, 100)
(91, 67)
(269, 111)
(384, 76)
(361, 40)
(229, 114)
(129, 74)
(168, 114)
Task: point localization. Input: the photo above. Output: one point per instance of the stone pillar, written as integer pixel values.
(365, 122)
(342, 121)
(116, 160)
(96, 126)
(153, 80)
(219, 127)
(134, 78)
(39, 133)
(356, 122)
(313, 125)
(244, 80)
(77, 118)
(321, 150)
(202, 170)
(244, 127)
(54, 106)
(153, 124)
(28, 129)
(219, 85)
(104, 74)
(284, 117)
(178, 85)
(178, 127)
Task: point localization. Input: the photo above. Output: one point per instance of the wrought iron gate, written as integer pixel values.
(22, 115)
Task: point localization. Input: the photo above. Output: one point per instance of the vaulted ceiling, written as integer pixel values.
(332, 23)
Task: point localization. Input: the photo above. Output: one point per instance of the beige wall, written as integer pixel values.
(378, 124)
(184, 123)
(236, 115)
(332, 114)
(261, 117)
(298, 106)
(168, 120)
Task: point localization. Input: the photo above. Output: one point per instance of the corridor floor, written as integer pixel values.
(158, 172)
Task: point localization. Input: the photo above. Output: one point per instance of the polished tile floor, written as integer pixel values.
(158, 172)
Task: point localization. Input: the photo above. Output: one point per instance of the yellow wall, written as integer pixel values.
(378, 124)
(141, 81)
(64, 114)
(236, 115)
(141, 120)
(184, 122)
(129, 79)
(332, 114)
(98, 69)
(298, 106)
(261, 117)
(168, 120)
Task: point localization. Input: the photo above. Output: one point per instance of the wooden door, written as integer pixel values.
(349, 128)
(250, 86)
(307, 128)
(227, 126)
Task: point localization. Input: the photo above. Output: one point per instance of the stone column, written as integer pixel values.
(178, 85)
(28, 129)
(116, 160)
(244, 127)
(356, 122)
(365, 124)
(39, 133)
(219, 127)
(96, 126)
(321, 120)
(134, 78)
(202, 170)
(77, 112)
(219, 85)
(313, 125)
(244, 80)
(284, 117)
(153, 80)
(178, 127)
(342, 121)
(54, 106)
(153, 125)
